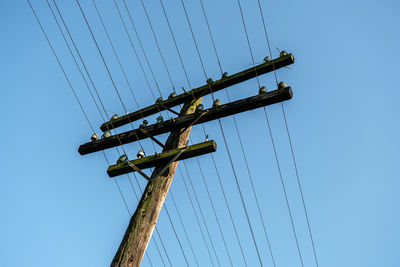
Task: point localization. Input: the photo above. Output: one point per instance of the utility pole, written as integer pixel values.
(143, 221)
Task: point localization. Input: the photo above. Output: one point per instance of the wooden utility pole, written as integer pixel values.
(143, 221)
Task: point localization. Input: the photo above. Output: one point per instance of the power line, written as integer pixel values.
(215, 213)
(134, 49)
(196, 216)
(141, 46)
(175, 43)
(222, 131)
(155, 38)
(184, 228)
(73, 57)
(188, 81)
(101, 55)
(61, 67)
(124, 73)
(164, 65)
(77, 99)
(158, 46)
(272, 140)
(81, 59)
(291, 144)
(201, 212)
(108, 71)
(229, 210)
(115, 53)
(96, 105)
(238, 134)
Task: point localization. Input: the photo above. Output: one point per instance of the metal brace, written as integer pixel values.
(139, 171)
(153, 138)
(169, 109)
(169, 163)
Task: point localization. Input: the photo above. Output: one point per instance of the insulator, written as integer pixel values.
(122, 158)
(283, 53)
(114, 117)
(210, 81)
(144, 124)
(225, 75)
(106, 134)
(217, 103)
(267, 59)
(94, 137)
(282, 85)
(141, 154)
(172, 95)
(160, 119)
(262, 90)
(159, 100)
(200, 107)
(206, 137)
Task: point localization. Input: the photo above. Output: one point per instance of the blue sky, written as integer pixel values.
(60, 209)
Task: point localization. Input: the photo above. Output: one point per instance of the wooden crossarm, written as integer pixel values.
(242, 76)
(163, 158)
(184, 121)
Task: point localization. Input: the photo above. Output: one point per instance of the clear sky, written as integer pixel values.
(60, 209)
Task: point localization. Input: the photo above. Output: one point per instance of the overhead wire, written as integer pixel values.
(225, 141)
(190, 87)
(149, 21)
(76, 96)
(61, 67)
(290, 142)
(83, 63)
(184, 228)
(153, 144)
(141, 46)
(116, 89)
(201, 213)
(124, 73)
(75, 61)
(116, 54)
(238, 134)
(94, 99)
(136, 53)
(175, 43)
(81, 105)
(215, 213)
(285, 119)
(273, 143)
(148, 63)
(158, 46)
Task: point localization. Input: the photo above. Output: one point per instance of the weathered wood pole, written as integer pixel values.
(143, 221)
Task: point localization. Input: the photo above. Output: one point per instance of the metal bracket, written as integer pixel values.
(153, 138)
(139, 171)
(169, 163)
(198, 118)
(169, 109)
